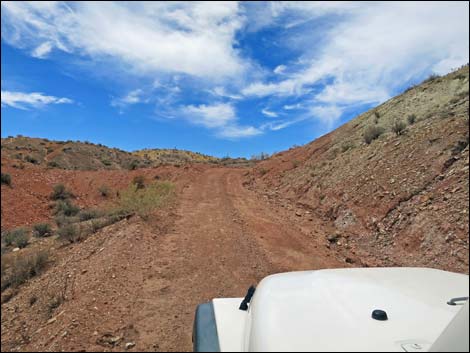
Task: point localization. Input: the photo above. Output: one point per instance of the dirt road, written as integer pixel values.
(140, 282)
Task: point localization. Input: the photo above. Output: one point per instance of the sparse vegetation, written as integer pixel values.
(31, 159)
(259, 157)
(431, 78)
(18, 268)
(60, 192)
(460, 146)
(41, 230)
(263, 171)
(143, 201)
(372, 133)
(17, 237)
(345, 146)
(66, 208)
(6, 179)
(53, 164)
(376, 116)
(398, 127)
(411, 119)
(295, 163)
(139, 181)
(69, 232)
(85, 215)
(104, 191)
(134, 164)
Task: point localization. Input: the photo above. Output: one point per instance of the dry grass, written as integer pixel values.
(18, 268)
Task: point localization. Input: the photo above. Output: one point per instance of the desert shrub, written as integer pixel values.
(398, 127)
(376, 116)
(53, 164)
(411, 119)
(133, 165)
(85, 215)
(346, 146)
(66, 208)
(104, 191)
(17, 237)
(41, 230)
(460, 146)
(263, 171)
(431, 78)
(18, 268)
(144, 201)
(59, 192)
(31, 159)
(295, 163)
(6, 179)
(69, 232)
(139, 181)
(259, 157)
(372, 133)
(106, 162)
(62, 220)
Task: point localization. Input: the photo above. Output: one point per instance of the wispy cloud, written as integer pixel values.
(21, 100)
(133, 97)
(367, 52)
(269, 113)
(147, 37)
(221, 117)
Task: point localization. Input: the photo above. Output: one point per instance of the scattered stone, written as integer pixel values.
(332, 238)
(16, 249)
(298, 214)
(130, 345)
(51, 321)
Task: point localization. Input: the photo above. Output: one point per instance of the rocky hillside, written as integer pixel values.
(392, 184)
(79, 155)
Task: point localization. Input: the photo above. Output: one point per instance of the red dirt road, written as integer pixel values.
(141, 281)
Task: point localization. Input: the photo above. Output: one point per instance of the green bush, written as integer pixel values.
(69, 232)
(372, 133)
(31, 159)
(6, 179)
(144, 201)
(411, 119)
(85, 215)
(104, 191)
(133, 165)
(17, 269)
(17, 237)
(66, 208)
(59, 192)
(398, 127)
(41, 230)
(139, 182)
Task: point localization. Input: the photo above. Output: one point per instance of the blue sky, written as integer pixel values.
(218, 78)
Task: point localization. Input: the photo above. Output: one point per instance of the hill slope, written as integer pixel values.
(403, 198)
(77, 155)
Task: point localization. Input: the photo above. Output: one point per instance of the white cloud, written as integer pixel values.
(42, 51)
(221, 92)
(234, 131)
(369, 50)
(210, 116)
(21, 100)
(221, 117)
(292, 106)
(133, 97)
(280, 69)
(147, 37)
(327, 114)
(269, 113)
